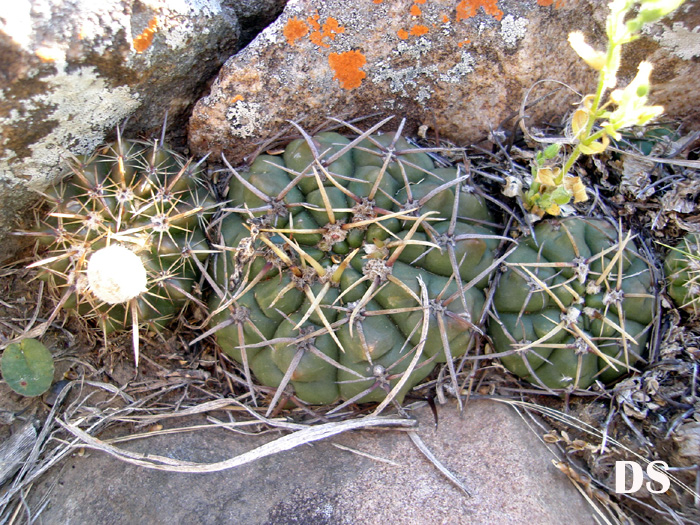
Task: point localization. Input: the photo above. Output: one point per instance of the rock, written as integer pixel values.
(72, 71)
(506, 467)
(687, 440)
(254, 16)
(459, 67)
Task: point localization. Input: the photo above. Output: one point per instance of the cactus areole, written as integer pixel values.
(575, 305)
(352, 267)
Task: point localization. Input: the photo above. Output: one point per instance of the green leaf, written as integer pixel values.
(27, 367)
(551, 151)
(545, 201)
(561, 196)
(653, 10)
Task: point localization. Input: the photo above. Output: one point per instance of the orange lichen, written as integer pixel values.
(347, 68)
(377, 1)
(468, 8)
(330, 29)
(402, 34)
(145, 39)
(237, 98)
(445, 19)
(317, 38)
(49, 54)
(418, 30)
(295, 29)
(415, 10)
(313, 22)
(462, 44)
(419, 1)
(545, 3)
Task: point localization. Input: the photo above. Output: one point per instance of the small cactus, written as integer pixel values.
(124, 236)
(575, 305)
(27, 367)
(682, 267)
(352, 268)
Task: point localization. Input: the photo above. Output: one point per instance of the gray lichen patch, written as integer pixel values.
(680, 40)
(68, 109)
(457, 72)
(245, 118)
(513, 29)
(76, 70)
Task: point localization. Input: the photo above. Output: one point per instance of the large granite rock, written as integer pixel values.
(70, 72)
(505, 466)
(459, 67)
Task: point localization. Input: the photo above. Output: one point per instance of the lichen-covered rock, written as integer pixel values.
(73, 71)
(575, 305)
(352, 268)
(459, 67)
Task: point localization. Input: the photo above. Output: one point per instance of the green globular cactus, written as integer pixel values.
(352, 268)
(574, 305)
(682, 268)
(123, 239)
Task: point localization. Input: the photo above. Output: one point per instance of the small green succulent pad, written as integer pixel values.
(123, 239)
(353, 267)
(27, 367)
(574, 305)
(682, 267)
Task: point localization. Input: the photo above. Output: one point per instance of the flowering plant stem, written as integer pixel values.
(553, 187)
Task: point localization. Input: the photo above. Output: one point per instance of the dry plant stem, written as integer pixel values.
(565, 466)
(591, 431)
(365, 455)
(431, 457)
(523, 116)
(14, 450)
(419, 351)
(288, 442)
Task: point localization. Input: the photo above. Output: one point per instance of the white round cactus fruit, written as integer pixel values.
(116, 274)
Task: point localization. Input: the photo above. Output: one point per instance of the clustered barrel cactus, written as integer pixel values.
(124, 235)
(348, 268)
(351, 268)
(575, 305)
(682, 267)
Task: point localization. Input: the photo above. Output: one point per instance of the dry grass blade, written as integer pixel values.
(431, 457)
(286, 379)
(15, 450)
(365, 455)
(576, 423)
(288, 442)
(419, 351)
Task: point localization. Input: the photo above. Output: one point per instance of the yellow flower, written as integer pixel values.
(554, 210)
(546, 176)
(631, 103)
(595, 59)
(577, 188)
(595, 147)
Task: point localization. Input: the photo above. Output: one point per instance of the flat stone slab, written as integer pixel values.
(489, 448)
